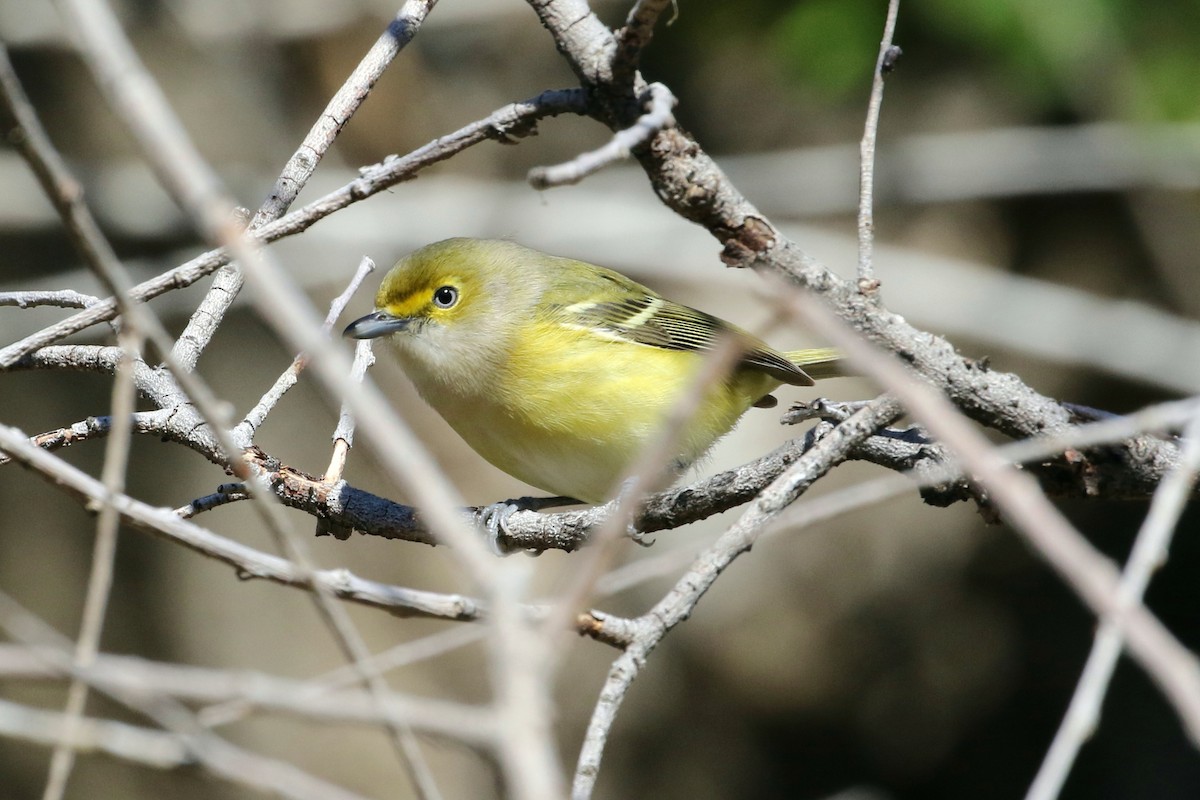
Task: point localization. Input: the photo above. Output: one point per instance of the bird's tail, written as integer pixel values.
(820, 363)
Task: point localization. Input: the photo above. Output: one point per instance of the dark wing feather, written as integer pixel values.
(657, 322)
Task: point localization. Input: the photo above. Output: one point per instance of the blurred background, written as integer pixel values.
(1038, 203)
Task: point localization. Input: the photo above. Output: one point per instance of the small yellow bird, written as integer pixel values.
(560, 372)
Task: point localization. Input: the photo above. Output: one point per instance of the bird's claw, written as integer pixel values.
(494, 519)
(639, 538)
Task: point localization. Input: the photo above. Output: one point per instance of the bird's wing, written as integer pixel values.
(651, 320)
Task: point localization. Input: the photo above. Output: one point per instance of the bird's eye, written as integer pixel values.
(445, 297)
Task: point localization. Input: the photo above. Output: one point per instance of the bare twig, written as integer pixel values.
(228, 711)
(320, 700)
(116, 459)
(866, 188)
(1148, 554)
(1090, 574)
(301, 165)
(246, 429)
(633, 38)
(146, 746)
(801, 515)
(343, 434)
(679, 603)
(505, 124)
(623, 142)
(581, 36)
(85, 430)
(210, 501)
(352, 508)
(248, 562)
(218, 755)
(63, 298)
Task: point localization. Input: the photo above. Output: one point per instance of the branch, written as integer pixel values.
(104, 551)
(63, 298)
(139, 677)
(866, 191)
(1089, 573)
(680, 602)
(300, 167)
(636, 35)
(140, 745)
(219, 756)
(689, 182)
(1148, 554)
(1055, 459)
(247, 562)
(660, 100)
(246, 429)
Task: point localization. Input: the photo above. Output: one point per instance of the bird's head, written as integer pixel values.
(446, 304)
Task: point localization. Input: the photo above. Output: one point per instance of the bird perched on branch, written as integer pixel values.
(560, 372)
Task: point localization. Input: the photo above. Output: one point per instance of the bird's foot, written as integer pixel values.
(493, 518)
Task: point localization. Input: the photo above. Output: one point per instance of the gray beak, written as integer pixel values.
(374, 325)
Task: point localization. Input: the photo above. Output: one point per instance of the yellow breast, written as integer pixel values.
(568, 411)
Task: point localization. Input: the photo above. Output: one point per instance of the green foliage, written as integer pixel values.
(1166, 59)
(1076, 58)
(831, 45)
(1070, 53)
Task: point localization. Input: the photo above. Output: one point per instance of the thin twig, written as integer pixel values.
(866, 186)
(210, 501)
(116, 460)
(1090, 574)
(505, 124)
(148, 747)
(622, 143)
(62, 298)
(218, 755)
(246, 561)
(343, 434)
(319, 700)
(803, 514)
(300, 167)
(680, 602)
(256, 416)
(1148, 554)
(428, 647)
(82, 431)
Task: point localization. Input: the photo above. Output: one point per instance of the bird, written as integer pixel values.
(560, 372)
